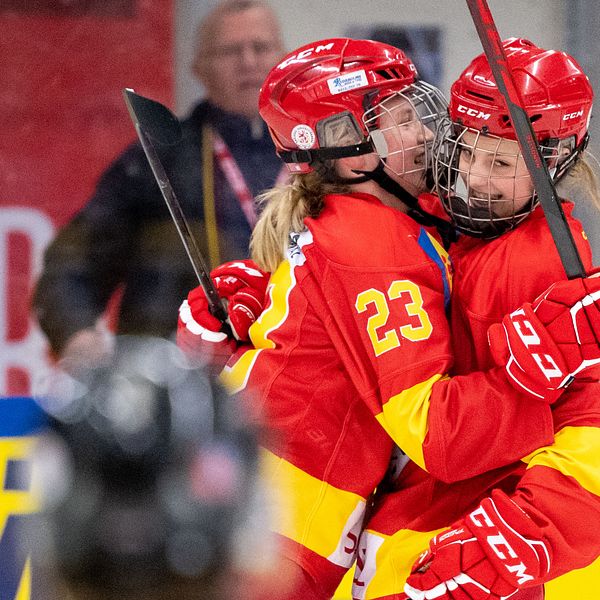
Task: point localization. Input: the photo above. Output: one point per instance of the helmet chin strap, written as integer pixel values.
(384, 181)
(381, 178)
(352, 180)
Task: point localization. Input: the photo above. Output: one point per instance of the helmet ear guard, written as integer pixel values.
(339, 136)
(551, 149)
(339, 130)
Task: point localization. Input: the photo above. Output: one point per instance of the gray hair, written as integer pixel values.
(209, 23)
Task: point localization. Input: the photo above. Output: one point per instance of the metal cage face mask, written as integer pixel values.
(402, 128)
(482, 180)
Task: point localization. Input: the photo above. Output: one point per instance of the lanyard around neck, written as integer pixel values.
(234, 177)
(213, 145)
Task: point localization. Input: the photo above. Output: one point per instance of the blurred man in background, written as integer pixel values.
(123, 238)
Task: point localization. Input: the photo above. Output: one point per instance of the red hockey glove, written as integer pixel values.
(490, 554)
(244, 285)
(210, 347)
(199, 333)
(546, 345)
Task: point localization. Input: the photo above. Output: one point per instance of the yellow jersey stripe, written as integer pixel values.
(389, 560)
(312, 512)
(404, 417)
(575, 453)
(235, 377)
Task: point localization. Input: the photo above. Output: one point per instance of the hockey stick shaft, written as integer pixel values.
(536, 165)
(149, 115)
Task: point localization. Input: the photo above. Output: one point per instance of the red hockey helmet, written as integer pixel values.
(556, 93)
(488, 197)
(315, 99)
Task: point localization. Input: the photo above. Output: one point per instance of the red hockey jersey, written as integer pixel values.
(557, 485)
(351, 354)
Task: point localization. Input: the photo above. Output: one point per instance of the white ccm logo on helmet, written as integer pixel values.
(305, 54)
(573, 115)
(473, 112)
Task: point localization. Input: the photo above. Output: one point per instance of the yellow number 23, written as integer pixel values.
(388, 339)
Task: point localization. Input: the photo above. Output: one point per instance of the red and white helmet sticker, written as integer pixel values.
(304, 137)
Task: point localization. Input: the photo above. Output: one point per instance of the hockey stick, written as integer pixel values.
(536, 165)
(154, 121)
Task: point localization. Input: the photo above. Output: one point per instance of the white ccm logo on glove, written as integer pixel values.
(530, 338)
(500, 546)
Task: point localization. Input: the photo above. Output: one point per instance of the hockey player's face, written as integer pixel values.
(408, 142)
(494, 173)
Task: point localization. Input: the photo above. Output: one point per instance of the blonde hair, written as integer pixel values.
(284, 209)
(583, 178)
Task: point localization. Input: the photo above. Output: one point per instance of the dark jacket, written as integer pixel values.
(124, 235)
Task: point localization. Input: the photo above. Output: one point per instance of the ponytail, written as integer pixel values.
(284, 209)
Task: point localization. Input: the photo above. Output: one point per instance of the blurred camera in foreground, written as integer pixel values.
(147, 480)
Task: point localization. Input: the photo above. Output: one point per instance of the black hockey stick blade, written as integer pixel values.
(157, 121)
(152, 120)
(536, 165)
